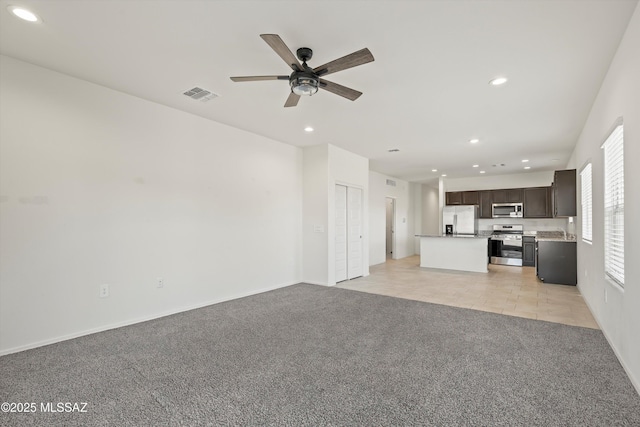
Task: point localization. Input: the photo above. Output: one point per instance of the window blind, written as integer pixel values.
(587, 204)
(614, 206)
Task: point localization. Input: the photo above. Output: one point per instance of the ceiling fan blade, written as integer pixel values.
(257, 78)
(352, 60)
(282, 50)
(343, 91)
(292, 100)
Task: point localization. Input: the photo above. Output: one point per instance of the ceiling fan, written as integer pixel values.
(306, 80)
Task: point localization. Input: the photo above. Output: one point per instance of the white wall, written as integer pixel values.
(430, 210)
(315, 215)
(619, 316)
(100, 187)
(404, 226)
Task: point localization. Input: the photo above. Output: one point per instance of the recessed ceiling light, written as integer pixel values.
(498, 81)
(527, 167)
(482, 171)
(394, 150)
(434, 170)
(23, 13)
(475, 166)
(444, 174)
(474, 140)
(308, 129)
(554, 160)
(525, 161)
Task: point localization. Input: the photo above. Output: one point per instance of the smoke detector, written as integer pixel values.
(201, 95)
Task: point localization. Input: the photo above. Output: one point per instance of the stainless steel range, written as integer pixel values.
(506, 245)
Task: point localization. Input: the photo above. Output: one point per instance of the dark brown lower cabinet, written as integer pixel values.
(528, 251)
(557, 262)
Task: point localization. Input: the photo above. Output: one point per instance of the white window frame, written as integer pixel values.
(614, 205)
(586, 191)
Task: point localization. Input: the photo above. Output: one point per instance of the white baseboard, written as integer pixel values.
(632, 378)
(137, 320)
(316, 283)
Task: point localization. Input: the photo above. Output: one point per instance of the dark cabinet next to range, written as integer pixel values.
(528, 251)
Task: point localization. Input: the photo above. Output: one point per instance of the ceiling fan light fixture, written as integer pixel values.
(303, 84)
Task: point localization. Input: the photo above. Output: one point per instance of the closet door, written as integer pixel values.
(341, 233)
(354, 238)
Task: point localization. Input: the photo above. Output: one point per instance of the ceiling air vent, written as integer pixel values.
(201, 95)
(391, 182)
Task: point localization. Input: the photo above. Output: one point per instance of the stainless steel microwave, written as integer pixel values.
(506, 210)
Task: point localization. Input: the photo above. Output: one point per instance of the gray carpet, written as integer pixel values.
(310, 355)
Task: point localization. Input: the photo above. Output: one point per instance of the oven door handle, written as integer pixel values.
(512, 242)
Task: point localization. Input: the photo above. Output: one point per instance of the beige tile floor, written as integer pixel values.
(513, 291)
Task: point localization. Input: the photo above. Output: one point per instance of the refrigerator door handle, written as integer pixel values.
(455, 224)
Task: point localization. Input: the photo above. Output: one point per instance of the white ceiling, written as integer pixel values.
(426, 93)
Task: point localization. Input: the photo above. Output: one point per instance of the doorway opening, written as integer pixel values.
(390, 227)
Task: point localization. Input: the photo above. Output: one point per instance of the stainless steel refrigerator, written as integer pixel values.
(460, 220)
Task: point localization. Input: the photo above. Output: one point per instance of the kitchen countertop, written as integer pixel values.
(551, 236)
(556, 239)
(540, 236)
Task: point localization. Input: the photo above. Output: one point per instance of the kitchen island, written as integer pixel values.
(454, 252)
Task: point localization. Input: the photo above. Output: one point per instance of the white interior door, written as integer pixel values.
(354, 238)
(341, 233)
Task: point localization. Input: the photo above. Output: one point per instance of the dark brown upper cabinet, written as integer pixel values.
(511, 195)
(462, 198)
(470, 198)
(453, 197)
(564, 193)
(515, 195)
(485, 204)
(498, 196)
(537, 202)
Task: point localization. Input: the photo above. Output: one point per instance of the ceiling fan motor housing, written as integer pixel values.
(304, 54)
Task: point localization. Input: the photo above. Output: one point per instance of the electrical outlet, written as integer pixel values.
(104, 290)
(160, 282)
